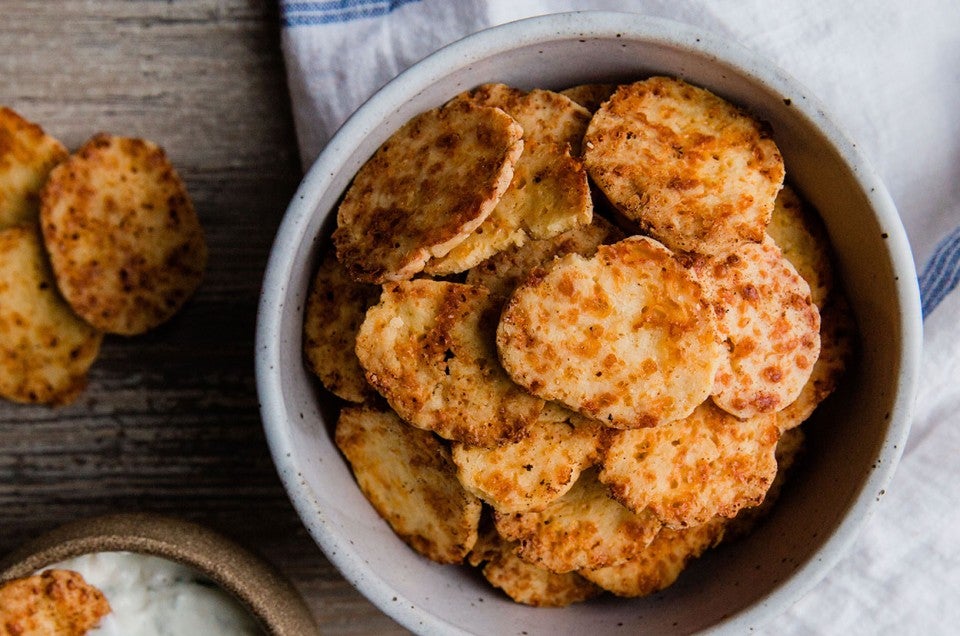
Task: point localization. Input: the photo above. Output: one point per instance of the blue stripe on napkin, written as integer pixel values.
(332, 11)
(941, 273)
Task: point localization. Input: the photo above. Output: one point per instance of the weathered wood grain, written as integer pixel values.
(169, 422)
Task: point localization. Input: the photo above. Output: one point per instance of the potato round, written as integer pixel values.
(51, 602)
(624, 337)
(124, 239)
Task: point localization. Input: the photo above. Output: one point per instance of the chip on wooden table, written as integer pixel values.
(771, 326)
(590, 96)
(525, 582)
(658, 565)
(696, 172)
(27, 154)
(838, 332)
(624, 337)
(585, 528)
(425, 190)
(45, 348)
(689, 471)
(549, 192)
(803, 240)
(54, 602)
(409, 478)
(335, 309)
(530, 473)
(502, 272)
(429, 348)
(124, 239)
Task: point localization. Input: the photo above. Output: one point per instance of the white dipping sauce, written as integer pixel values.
(153, 596)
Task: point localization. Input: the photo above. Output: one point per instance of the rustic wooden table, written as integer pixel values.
(169, 421)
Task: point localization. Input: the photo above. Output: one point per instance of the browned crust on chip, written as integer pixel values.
(335, 310)
(525, 582)
(590, 96)
(57, 602)
(583, 529)
(687, 472)
(658, 565)
(124, 239)
(27, 154)
(398, 212)
(428, 347)
(409, 478)
(696, 172)
(45, 349)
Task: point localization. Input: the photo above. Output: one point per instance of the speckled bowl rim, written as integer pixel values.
(476, 47)
(265, 593)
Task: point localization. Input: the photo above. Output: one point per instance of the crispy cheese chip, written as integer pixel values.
(697, 173)
(545, 116)
(530, 473)
(502, 272)
(771, 326)
(54, 602)
(45, 349)
(335, 309)
(428, 347)
(658, 565)
(590, 96)
(803, 240)
(27, 155)
(692, 470)
(549, 193)
(624, 337)
(407, 475)
(125, 242)
(583, 529)
(425, 190)
(525, 582)
(837, 346)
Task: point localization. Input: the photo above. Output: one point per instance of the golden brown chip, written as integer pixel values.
(585, 528)
(502, 272)
(125, 242)
(658, 565)
(545, 116)
(692, 470)
(335, 308)
(771, 326)
(27, 155)
(548, 195)
(428, 347)
(409, 478)
(52, 603)
(525, 582)
(425, 189)
(45, 349)
(837, 340)
(624, 337)
(697, 173)
(801, 236)
(533, 471)
(590, 96)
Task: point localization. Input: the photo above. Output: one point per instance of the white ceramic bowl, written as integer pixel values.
(855, 439)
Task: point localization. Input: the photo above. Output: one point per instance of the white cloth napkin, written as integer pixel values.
(888, 72)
